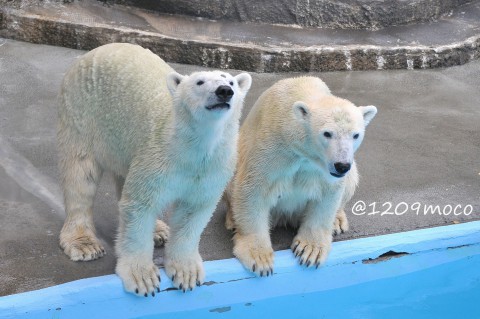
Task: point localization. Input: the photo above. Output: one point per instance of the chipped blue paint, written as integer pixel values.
(439, 277)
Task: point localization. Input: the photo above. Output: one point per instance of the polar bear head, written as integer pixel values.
(332, 130)
(208, 95)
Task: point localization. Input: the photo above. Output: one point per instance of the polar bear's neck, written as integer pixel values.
(195, 140)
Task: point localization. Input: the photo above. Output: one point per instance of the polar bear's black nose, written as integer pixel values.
(224, 92)
(342, 168)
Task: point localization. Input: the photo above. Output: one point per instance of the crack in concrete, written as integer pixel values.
(384, 257)
(221, 309)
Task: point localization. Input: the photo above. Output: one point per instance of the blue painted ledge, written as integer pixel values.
(438, 276)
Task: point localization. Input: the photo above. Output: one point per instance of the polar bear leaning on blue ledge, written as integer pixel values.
(295, 165)
(169, 140)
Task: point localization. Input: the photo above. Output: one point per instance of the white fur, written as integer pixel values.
(284, 171)
(124, 110)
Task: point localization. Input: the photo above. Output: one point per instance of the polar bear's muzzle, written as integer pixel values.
(224, 94)
(340, 169)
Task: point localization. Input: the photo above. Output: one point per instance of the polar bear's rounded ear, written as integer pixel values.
(368, 113)
(173, 80)
(301, 110)
(244, 81)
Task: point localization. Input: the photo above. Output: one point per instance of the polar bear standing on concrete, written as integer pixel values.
(295, 165)
(169, 140)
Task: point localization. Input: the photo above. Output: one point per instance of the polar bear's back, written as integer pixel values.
(296, 89)
(114, 96)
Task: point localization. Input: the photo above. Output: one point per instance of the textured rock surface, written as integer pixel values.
(339, 14)
(453, 40)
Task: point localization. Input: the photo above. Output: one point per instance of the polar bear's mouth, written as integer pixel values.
(218, 106)
(337, 175)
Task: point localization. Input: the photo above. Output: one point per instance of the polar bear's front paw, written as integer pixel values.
(161, 234)
(81, 246)
(254, 255)
(186, 273)
(340, 224)
(139, 275)
(311, 253)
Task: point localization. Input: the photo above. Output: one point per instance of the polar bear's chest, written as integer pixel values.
(294, 192)
(202, 177)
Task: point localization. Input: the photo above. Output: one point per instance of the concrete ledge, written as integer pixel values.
(260, 48)
(336, 14)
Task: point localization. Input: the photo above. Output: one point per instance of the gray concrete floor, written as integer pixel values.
(423, 147)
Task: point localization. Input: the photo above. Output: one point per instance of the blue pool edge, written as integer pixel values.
(351, 263)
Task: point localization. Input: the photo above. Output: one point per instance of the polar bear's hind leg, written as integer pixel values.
(161, 234)
(80, 177)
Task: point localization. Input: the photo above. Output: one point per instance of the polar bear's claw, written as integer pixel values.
(138, 276)
(186, 273)
(83, 248)
(310, 253)
(254, 255)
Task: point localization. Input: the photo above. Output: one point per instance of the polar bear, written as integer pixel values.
(170, 141)
(295, 165)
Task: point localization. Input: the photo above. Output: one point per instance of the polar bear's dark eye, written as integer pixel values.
(327, 134)
(231, 83)
(355, 136)
(200, 82)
